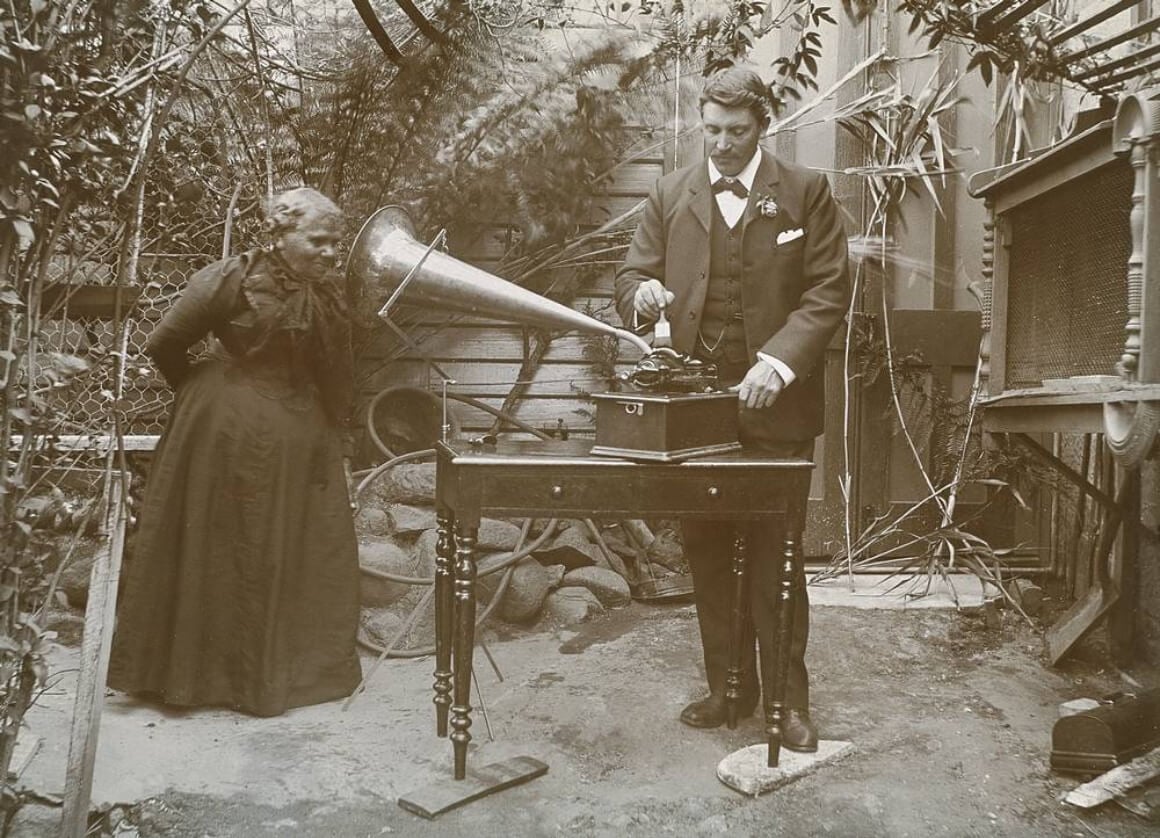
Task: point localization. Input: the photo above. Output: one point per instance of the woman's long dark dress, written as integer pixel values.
(243, 585)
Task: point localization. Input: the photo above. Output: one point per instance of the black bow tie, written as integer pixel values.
(728, 184)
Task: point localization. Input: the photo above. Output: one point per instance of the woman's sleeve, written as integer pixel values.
(206, 299)
(336, 382)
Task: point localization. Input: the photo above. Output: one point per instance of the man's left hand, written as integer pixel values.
(760, 387)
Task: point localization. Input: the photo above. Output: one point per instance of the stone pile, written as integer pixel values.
(579, 568)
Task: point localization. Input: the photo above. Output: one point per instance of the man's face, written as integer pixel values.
(731, 136)
(311, 247)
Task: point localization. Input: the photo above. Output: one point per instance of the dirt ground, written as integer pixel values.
(950, 715)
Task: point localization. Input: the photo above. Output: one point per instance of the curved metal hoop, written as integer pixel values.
(1130, 429)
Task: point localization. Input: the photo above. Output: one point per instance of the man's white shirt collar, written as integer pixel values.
(732, 205)
(746, 176)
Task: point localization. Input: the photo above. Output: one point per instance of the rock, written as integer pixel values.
(486, 579)
(387, 557)
(609, 587)
(569, 606)
(422, 632)
(1027, 594)
(372, 521)
(74, 579)
(493, 536)
(572, 549)
(556, 574)
(381, 624)
(524, 598)
(498, 535)
(406, 483)
(69, 627)
(667, 549)
(405, 518)
(1077, 705)
(424, 552)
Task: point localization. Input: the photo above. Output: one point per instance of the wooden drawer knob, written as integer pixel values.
(557, 492)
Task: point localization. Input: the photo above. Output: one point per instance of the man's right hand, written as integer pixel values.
(651, 297)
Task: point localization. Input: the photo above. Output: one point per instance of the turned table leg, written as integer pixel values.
(444, 610)
(737, 633)
(784, 604)
(464, 644)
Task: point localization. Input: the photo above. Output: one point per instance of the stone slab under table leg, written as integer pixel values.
(746, 771)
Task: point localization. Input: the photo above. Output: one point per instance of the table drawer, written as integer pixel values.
(721, 493)
(638, 492)
(561, 492)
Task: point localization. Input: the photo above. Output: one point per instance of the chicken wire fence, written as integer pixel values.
(82, 323)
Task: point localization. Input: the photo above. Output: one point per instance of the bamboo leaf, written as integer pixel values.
(926, 181)
(935, 131)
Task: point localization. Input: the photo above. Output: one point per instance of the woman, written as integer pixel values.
(243, 587)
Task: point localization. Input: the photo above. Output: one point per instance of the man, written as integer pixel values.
(746, 256)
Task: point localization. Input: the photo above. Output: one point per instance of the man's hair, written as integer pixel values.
(738, 87)
(289, 208)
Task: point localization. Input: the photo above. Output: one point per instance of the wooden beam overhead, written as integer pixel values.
(1134, 58)
(1144, 70)
(988, 17)
(1148, 26)
(1088, 22)
(1021, 10)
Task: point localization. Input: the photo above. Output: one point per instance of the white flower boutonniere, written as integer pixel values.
(767, 206)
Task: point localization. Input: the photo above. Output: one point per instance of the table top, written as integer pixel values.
(576, 452)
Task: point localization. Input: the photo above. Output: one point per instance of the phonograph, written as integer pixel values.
(668, 408)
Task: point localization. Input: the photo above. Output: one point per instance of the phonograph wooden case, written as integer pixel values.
(665, 427)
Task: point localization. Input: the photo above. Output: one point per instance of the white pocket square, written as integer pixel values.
(786, 236)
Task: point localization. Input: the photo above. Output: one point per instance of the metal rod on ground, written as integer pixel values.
(524, 530)
(482, 705)
(490, 660)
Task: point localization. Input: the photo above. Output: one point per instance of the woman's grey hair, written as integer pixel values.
(738, 87)
(287, 209)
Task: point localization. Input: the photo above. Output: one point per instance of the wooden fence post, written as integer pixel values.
(96, 646)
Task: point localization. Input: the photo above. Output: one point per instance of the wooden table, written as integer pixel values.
(561, 479)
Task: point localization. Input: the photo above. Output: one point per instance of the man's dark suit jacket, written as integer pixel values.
(793, 295)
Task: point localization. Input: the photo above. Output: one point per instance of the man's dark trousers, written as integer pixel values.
(709, 551)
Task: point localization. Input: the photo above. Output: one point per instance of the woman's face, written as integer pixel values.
(311, 248)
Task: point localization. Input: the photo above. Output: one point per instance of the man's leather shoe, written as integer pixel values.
(799, 733)
(711, 711)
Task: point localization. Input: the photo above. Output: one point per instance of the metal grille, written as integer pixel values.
(1067, 279)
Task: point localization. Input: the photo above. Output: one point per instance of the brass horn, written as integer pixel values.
(386, 254)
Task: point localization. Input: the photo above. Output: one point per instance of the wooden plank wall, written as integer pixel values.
(484, 357)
